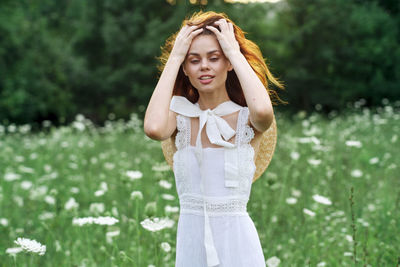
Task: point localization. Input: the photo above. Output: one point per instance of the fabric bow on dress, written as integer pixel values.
(217, 130)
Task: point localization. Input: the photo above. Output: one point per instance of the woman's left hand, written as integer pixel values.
(226, 37)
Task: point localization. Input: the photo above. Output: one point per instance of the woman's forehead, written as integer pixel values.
(204, 44)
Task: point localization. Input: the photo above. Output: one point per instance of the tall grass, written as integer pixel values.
(49, 178)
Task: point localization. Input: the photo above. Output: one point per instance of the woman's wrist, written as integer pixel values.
(236, 57)
(173, 59)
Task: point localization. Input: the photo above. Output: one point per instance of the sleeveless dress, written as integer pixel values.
(214, 228)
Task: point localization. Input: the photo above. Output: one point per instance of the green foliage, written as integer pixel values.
(336, 51)
(41, 172)
(96, 57)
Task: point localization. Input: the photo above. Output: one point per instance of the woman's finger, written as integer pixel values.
(214, 30)
(231, 27)
(194, 33)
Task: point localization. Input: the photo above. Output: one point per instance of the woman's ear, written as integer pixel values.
(230, 67)
(183, 68)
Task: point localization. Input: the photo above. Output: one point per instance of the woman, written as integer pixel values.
(211, 99)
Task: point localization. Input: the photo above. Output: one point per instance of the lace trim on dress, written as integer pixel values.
(214, 206)
(244, 133)
(182, 138)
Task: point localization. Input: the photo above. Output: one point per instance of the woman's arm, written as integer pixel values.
(159, 121)
(257, 98)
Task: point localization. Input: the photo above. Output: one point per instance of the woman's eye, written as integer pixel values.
(214, 59)
(194, 61)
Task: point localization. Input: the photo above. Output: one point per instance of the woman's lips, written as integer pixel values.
(206, 79)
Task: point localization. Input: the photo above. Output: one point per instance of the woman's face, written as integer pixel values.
(206, 65)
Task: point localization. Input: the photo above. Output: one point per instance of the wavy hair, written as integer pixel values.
(248, 48)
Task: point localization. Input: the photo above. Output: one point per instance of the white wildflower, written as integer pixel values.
(26, 185)
(306, 140)
(99, 193)
(136, 195)
(167, 197)
(74, 190)
(161, 167)
(109, 165)
(356, 173)
(97, 207)
(353, 143)
(31, 245)
(110, 235)
(3, 221)
(47, 168)
(133, 175)
(295, 155)
(25, 169)
(165, 184)
(166, 246)
(349, 238)
(9, 177)
(374, 160)
(296, 193)
(322, 200)
(95, 220)
(78, 125)
(169, 209)
(314, 162)
(13, 251)
(46, 215)
(157, 224)
(309, 212)
(347, 254)
(291, 200)
(321, 264)
(71, 204)
(50, 200)
(273, 261)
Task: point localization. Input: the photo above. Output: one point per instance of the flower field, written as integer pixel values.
(81, 195)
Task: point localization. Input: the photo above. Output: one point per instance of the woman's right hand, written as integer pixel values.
(183, 41)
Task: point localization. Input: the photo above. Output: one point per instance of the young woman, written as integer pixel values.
(213, 102)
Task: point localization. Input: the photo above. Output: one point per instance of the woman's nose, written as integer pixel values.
(204, 64)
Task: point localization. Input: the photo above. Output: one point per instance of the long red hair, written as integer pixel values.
(248, 48)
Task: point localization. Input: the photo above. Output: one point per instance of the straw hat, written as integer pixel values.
(264, 154)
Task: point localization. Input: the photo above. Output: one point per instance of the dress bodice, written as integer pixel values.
(187, 169)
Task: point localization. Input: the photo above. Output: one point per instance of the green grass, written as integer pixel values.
(66, 162)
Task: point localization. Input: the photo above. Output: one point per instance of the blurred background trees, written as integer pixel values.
(60, 58)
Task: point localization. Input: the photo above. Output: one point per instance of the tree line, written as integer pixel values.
(96, 57)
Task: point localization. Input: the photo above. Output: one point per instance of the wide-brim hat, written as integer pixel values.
(263, 157)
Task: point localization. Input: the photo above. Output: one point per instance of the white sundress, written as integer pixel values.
(214, 228)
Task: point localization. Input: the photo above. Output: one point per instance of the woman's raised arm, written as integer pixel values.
(159, 121)
(257, 98)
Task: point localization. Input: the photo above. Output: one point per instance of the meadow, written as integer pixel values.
(104, 196)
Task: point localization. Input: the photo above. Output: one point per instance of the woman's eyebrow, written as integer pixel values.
(208, 53)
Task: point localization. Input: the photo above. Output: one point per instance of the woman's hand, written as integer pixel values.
(226, 37)
(183, 41)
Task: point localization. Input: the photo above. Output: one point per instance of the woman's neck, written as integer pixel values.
(212, 100)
